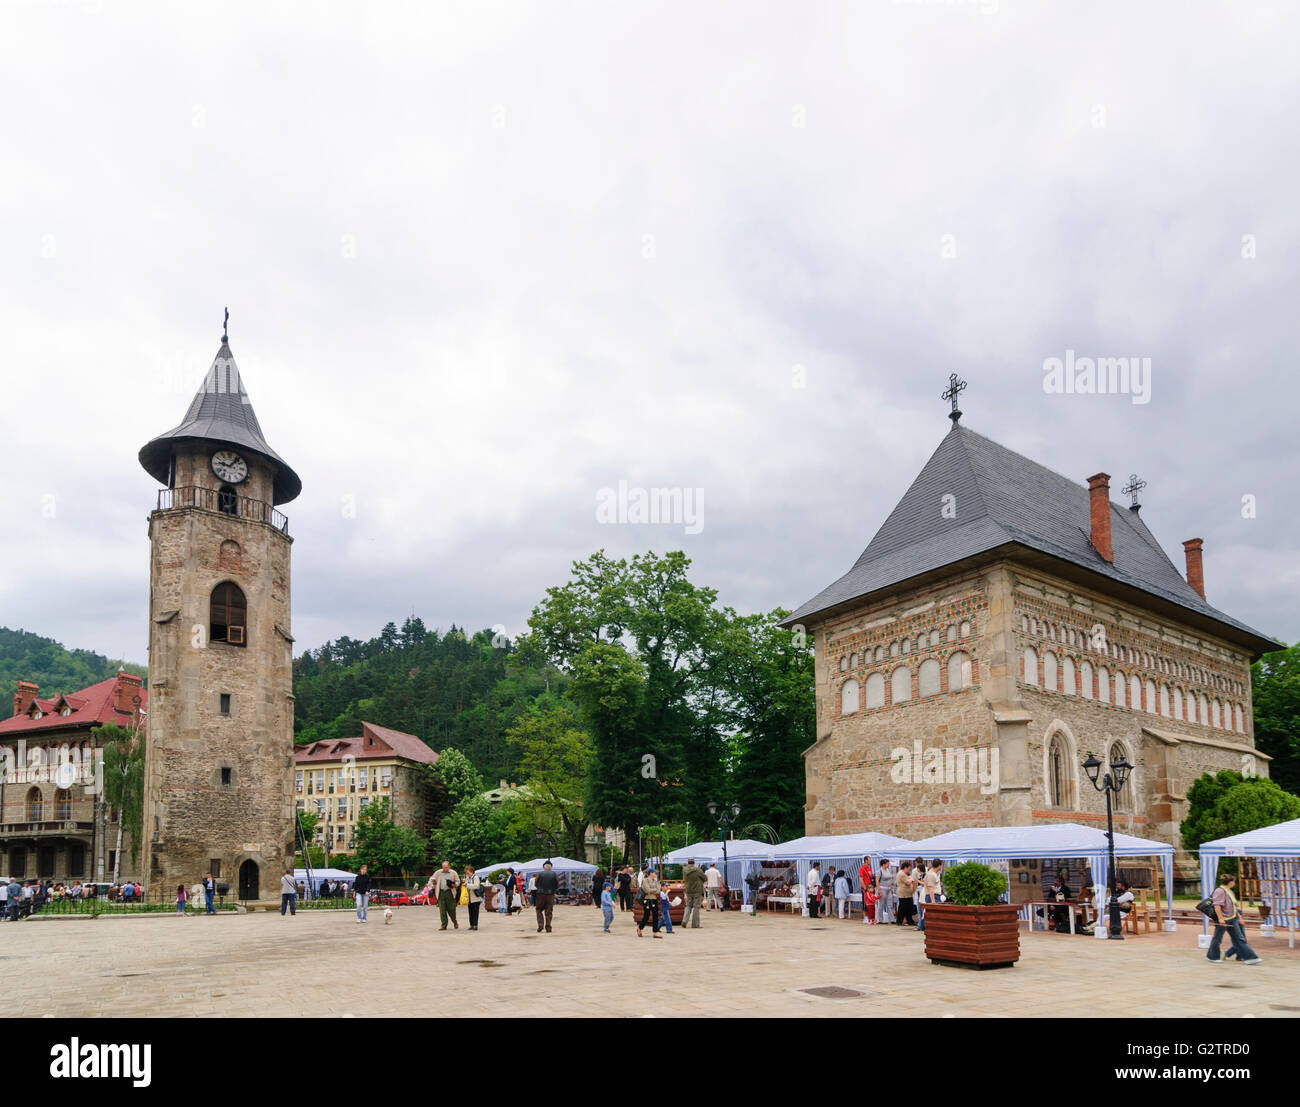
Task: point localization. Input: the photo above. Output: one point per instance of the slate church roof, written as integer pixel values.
(221, 412)
(1001, 500)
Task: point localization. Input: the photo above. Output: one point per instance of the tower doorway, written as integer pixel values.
(248, 880)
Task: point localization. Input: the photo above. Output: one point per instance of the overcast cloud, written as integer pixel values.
(485, 260)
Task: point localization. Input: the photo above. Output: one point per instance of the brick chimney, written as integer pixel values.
(125, 692)
(1099, 511)
(24, 696)
(1195, 573)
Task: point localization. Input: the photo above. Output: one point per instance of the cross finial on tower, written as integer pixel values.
(1131, 490)
(225, 326)
(956, 386)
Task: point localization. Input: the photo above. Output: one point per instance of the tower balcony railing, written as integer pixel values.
(223, 502)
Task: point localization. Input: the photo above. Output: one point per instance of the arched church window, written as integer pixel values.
(1059, 766)
(35, 806)
(958, 666)
(844, 662)
(1124, 797)
(1085, 679)
(900, 685)
(965, 629)
(849, 698)
(880, 653)
(876, 690)
(1103, 684)
(1067, 677)
(229, 618)
(63, 804)
(1049, 671)
(1031, 666)
(928, 677)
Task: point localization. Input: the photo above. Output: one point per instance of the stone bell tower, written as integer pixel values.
(219, 736)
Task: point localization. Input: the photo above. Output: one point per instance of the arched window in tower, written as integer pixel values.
(63, 804)
(35, 806)
(229, 620)
(849, 698)
(1124, 797)
(228, 500)
(900, 685)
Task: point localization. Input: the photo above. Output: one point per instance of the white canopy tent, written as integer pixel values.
(990, 844)
(1278, 844)
(841, 851)
(488, 870)
(317, 875)
(739, 852)
(558, 864)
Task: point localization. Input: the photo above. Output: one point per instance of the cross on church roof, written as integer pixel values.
(225, 326)
(1131, 490)
(955, 387)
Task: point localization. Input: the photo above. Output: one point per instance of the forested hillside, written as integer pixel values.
(450, 689)
(27, 656)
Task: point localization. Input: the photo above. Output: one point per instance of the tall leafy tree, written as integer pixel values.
(640, 641)
(553, 751)
(123, 752)
(1225, 803)
(1275, 680)
(384, 846)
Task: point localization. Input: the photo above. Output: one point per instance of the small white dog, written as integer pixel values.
(388, 915)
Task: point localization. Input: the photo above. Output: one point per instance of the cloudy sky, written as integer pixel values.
(484, 260)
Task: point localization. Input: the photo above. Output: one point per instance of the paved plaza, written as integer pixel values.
(322, 963)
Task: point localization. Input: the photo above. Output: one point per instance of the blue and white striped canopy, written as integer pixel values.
(1270, 845)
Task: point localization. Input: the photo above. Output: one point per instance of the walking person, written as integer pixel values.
(1228, 916)
(906, 882)
(446, 883)
(545, 885)
(625, 889)
(665, 908)
(597, 883)
(932, 889)
(885, 889)
(842, 892)
(649, 893)
(361, 890)
(181, 896)
(471, 895)
(288, 893)
(713, 883)
(607, 904)
(813, 890)
(693, 880)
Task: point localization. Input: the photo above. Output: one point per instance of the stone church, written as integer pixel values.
(219, 747)
(1004, 623)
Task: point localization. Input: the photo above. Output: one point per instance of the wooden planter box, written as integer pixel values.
(985, 937)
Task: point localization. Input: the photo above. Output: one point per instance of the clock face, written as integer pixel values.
(229, 466)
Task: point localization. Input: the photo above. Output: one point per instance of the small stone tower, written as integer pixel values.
(219, 749)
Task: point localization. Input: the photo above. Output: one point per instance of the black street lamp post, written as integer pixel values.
(1111, 783)
(724, 821)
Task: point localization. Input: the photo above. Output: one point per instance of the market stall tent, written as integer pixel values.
(1278, 848)
(841, 851)
(740, 852)
(990, 844)
(317, 875)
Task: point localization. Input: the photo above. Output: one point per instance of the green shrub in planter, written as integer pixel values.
(971, 884)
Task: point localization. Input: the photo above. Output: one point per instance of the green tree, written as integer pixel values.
(1228, 803)
(123, 753)
(553, 752)
(770, 677)
(454, 779)
(1275, 690)
(464, 837)
(641, 643)
(384, 846)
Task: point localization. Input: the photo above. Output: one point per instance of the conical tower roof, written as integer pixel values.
(221, 413)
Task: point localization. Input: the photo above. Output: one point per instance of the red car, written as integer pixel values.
(382, 897)
(424, 899)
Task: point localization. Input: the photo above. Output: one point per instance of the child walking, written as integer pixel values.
(607, 904)
(181, 897)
